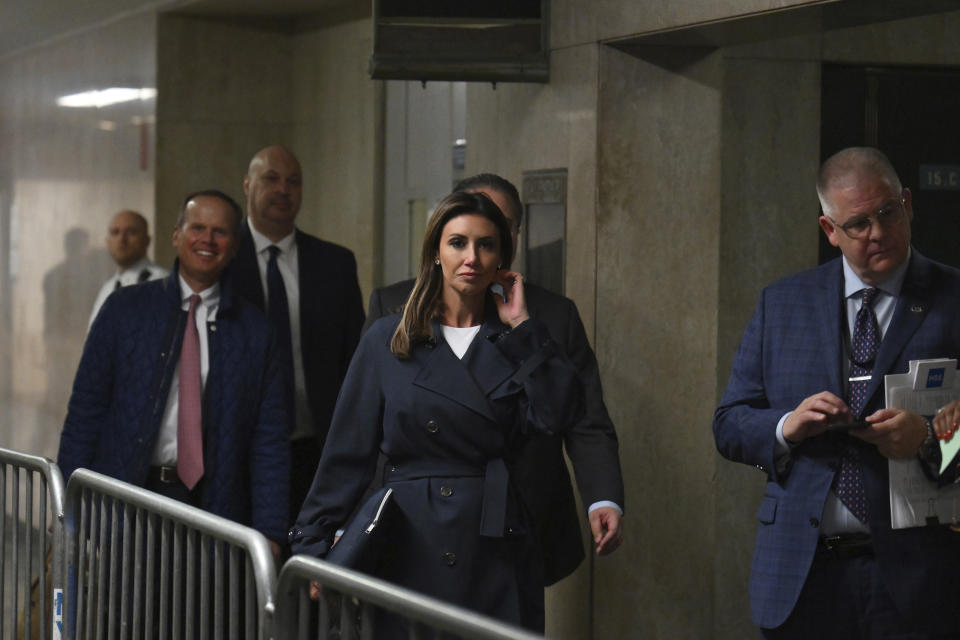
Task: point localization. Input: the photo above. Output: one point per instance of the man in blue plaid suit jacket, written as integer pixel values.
(818, 570)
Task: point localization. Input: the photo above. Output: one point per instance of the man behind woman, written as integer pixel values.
(448, 392)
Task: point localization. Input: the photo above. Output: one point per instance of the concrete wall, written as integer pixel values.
(338, 135)
(227, 90)
(658, 218)
(220, 99)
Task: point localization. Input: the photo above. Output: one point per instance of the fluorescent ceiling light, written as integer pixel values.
(106, 97)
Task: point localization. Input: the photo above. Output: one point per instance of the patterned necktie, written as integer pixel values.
(189, 420)
(278, 313)
(848, 484)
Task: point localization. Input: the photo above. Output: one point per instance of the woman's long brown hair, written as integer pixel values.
(426, 302)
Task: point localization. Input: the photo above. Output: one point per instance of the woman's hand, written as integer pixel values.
(513, 310)
(946, 420)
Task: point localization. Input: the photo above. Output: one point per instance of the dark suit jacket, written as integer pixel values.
(331, 314)
(448, 427)
(792, 349)
(591, 444)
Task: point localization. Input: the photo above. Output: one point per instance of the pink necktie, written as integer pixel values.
(189, 434)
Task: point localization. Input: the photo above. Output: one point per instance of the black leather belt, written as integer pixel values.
(164, 474)
(846, 545)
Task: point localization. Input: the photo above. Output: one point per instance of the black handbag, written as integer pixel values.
(366, 537)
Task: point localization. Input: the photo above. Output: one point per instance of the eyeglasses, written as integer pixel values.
(859, 227)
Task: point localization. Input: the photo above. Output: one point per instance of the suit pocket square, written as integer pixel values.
(366, 536)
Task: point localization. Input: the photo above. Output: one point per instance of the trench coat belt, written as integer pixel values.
(496, 480)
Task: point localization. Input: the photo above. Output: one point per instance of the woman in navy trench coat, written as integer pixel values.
(447, 391)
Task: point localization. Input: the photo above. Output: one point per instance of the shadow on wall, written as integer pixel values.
(69, 289)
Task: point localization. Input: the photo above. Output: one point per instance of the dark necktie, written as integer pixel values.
(189, 413)
(278, 312)
(848, 484)
(277, 308)
(117, 284)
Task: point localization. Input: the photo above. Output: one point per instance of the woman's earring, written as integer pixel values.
(436, 261)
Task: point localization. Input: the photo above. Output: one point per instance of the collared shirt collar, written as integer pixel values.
(852, 283)
(261, 242)
(137, 267)
(209, 297)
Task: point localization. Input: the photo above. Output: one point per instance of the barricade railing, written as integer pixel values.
(349, 603)
(31, 542)
(128, 563)
(143, 566)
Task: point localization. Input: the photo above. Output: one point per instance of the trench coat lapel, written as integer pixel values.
(489, 367)
(442, 372)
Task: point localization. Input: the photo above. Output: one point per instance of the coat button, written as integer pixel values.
(433, 426)
(446, 492)
(814, 522)
(449, 559)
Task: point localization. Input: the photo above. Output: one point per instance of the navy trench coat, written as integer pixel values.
(448, 428)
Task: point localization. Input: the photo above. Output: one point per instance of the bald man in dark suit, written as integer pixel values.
(318, 313)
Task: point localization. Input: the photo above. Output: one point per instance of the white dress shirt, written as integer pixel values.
(836, 517)
(289, 270)
(165, 451)
(125, 277)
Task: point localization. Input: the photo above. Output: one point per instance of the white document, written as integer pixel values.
(927, 386)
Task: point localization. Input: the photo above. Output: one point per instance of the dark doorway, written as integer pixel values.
(911, 114)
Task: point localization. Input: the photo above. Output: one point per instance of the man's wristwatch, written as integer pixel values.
(929, 450)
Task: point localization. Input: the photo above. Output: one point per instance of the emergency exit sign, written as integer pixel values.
(940, 176)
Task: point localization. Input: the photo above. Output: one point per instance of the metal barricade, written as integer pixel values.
(143, 566)
(31, 533)
(348, 607)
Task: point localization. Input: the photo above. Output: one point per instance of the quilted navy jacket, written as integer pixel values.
(122, 385)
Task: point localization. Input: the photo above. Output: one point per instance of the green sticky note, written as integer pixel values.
(948, 450)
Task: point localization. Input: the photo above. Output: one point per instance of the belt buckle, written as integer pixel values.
(851, 544)
(168, 475)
